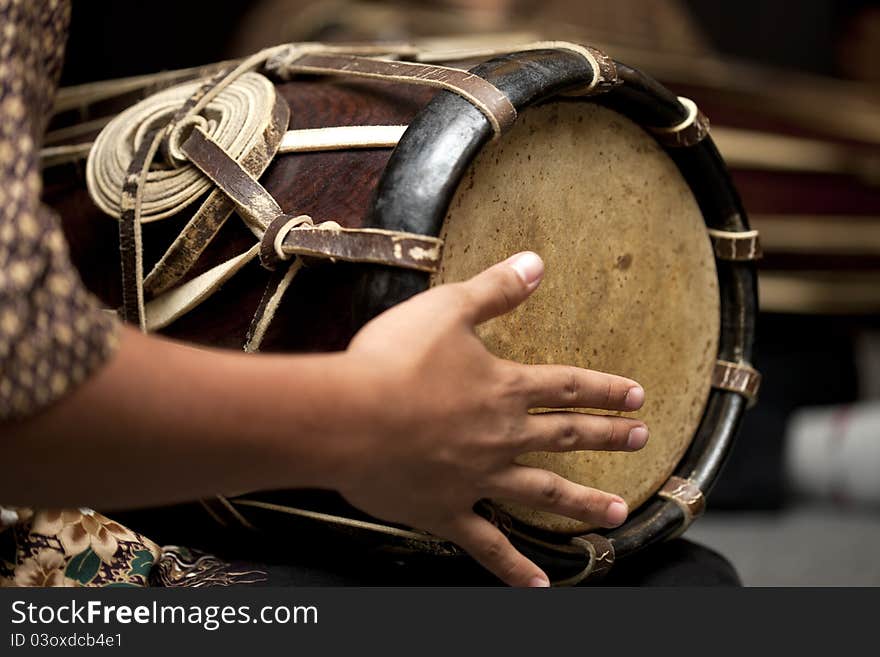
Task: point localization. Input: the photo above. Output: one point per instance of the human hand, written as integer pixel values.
(445, 420)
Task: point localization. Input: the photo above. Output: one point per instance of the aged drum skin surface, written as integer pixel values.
(630, 284)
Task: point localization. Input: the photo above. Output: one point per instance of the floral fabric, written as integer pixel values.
(72, 547)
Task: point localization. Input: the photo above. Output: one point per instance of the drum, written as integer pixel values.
(810, 178)
(282, 203)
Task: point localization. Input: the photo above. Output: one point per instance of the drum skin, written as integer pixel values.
(630, 284)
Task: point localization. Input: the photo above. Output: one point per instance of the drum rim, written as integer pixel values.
(423, 174)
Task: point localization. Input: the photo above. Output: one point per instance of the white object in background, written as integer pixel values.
(833, 453)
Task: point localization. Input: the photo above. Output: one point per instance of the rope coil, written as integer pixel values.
(235, 118)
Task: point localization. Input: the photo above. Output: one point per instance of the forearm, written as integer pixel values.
(163, 422)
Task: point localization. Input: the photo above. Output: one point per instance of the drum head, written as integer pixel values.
(630, 284)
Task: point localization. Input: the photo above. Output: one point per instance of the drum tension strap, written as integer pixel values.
(687, 496)
(600, 553)
(692, 130)
(735, 246)
(740, 378)
(286, 235)
(485, 96)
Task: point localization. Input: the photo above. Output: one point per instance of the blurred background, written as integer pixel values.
(793, 93)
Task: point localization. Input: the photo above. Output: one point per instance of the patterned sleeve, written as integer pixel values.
(53, 334)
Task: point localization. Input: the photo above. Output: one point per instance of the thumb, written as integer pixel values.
(504, 286)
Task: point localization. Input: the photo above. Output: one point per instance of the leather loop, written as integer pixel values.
(271, 253)
(740, 378)
(736, 246)
(689, 132)
(604, 69)
(687, 496)
(600, 558)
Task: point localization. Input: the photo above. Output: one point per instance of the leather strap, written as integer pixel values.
(341, 137)
(736, 247)
(305, 140)
(130, 251)
(604, 69)
(216, 209)
(253, 202)
(239, 117)
(176, 302)
(596, 550)
(740, 378)
(278, 284)
(687, 496)
(122, 183)
(368, 245)
(687, 133)
(601, 550)
(496, 106)
(371, 245)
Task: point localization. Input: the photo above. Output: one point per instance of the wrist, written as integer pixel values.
(328, 408)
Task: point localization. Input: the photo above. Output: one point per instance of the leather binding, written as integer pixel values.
(327, 240)
(496, 107)
(605, 77)
(216, 209)
(601, 551)
(692, 130)
(736, 246)
(687, 496)
(366, 245)
(740, 378)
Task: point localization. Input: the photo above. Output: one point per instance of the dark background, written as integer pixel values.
(113, 39)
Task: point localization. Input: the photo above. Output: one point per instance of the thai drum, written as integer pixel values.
(279, 202)
(810, 178)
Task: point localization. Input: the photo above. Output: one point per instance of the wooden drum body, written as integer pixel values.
(608, 176)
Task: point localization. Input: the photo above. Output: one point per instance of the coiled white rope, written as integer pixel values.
(235, 118)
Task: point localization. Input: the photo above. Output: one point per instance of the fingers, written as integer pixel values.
(563, 431)
(563, 386)
(546, 491)
(485, 543)
(502, 287)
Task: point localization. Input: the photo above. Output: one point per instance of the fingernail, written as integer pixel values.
(616, 513)
(638, 438)
(528, 266)
(634, 398)
(539, 582)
